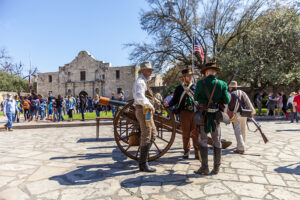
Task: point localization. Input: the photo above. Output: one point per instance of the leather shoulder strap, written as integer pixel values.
(212, 93)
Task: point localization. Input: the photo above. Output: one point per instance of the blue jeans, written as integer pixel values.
(11, 117)
(59, 112)
(82, 112)
(97, 112)
(43, 113)
(113, 110)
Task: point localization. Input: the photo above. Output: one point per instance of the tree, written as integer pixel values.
(172, 25)
(267, 54)
(16, 69)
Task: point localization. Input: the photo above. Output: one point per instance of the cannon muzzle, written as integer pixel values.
(106, 101)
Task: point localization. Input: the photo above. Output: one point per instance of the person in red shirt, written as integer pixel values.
(296, 106)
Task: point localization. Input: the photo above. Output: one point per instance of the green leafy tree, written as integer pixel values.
(267, 54)
(172, 25)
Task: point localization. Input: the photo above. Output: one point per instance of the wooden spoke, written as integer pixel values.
(157, 147)
(128, 147)
(127, 126)
(137, 152)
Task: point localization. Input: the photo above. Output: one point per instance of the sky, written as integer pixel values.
(51, 33)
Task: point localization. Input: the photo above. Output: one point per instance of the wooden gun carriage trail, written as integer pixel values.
(127, 130)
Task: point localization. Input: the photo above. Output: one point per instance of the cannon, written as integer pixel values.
(127, 130)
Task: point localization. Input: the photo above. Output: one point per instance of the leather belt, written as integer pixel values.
(138, 106)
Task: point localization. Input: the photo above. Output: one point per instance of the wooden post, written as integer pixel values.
(97, 128)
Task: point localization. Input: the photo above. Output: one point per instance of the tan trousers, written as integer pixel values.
(148, 134)
(188, 128)
(239, 126)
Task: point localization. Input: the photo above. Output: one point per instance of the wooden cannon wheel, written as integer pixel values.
(127, 132)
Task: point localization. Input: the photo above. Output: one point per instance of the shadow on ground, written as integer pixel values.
(83, 140)
(156, 180)
(289, 130)
(93, 173)
(288, 170)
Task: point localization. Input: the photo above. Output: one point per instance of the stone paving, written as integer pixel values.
(68, 164)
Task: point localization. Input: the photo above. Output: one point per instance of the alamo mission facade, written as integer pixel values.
(86, 75)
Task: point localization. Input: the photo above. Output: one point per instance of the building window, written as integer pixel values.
(103, 76)
(119, 90)
(118, 74)
(82, 75)
(50, 79)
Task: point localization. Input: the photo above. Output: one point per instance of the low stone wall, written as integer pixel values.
(3, 94)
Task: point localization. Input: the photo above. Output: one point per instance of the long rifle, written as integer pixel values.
(259, 129)
(232, 77)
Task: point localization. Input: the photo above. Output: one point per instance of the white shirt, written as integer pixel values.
(139, 90)
(290, 100)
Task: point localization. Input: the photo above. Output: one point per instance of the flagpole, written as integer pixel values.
(30, 74)
(193, 53)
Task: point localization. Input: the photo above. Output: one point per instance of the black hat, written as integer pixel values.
(211, 65)
(186, 71)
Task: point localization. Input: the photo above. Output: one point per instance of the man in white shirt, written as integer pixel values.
(148, 131)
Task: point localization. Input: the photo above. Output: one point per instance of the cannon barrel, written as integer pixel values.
(106, 101)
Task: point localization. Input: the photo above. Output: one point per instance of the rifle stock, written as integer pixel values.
(258, 128)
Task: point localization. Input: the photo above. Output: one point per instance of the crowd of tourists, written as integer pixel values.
(279, 105)
(37, 107)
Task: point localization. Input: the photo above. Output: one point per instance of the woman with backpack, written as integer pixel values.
(26, 107)
(70, 105)
(59, 107)
(34, 103)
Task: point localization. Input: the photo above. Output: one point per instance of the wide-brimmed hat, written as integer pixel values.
(293, 93)
(186, 71)
(210, 65)
(145, 65)
(233, 84)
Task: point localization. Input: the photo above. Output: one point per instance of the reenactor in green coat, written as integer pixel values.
(219, 90)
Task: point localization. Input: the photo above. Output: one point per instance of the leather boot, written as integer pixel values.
(143, 162)
(217, 160)
(204, 163)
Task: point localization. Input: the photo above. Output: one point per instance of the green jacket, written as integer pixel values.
(220, 96)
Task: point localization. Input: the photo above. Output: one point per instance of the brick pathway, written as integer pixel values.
(68, 164)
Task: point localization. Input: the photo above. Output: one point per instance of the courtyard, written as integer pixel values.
(69, 164)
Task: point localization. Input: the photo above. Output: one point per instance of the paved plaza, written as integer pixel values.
(68, 164)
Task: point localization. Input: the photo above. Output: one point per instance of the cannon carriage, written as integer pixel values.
(127, 131)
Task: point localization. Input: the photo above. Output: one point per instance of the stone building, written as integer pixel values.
(86, 75)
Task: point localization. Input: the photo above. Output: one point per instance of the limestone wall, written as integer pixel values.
(100, 78)
(128, 75)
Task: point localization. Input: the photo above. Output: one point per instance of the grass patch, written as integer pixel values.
(89, 115)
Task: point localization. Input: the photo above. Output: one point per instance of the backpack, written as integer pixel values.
(33, 103)
(25, 104)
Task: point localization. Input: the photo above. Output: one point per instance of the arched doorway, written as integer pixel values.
(69, 91)
(84, 93)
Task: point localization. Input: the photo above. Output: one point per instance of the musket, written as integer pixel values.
(259, 129)
(232, 77)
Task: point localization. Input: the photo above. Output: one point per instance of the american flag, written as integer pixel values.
(198, 48)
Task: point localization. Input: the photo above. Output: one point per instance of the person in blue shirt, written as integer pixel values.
(70, 105)
(90, 104)
(9, 109)
(43, 107)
